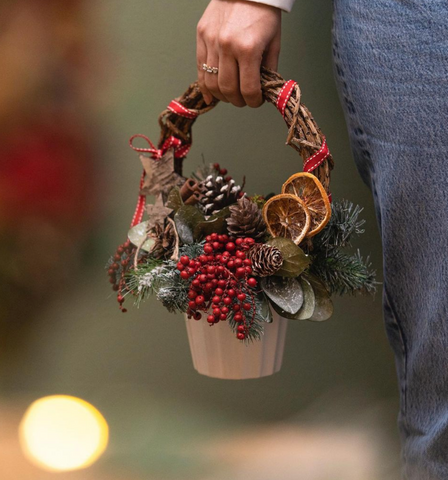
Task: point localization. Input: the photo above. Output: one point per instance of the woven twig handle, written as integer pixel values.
(304, 135)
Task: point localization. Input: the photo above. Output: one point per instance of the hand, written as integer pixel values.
(237, 37)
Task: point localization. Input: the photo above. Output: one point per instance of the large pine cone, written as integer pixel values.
(246, 220)
(266, 260)
(218, 193)
(165, 240)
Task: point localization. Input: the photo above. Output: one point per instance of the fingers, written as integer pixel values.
(201, 58)
(271, 54)
(250, 83)
(229, 81)
(211, 79)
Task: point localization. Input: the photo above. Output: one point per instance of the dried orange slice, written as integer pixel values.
(309, 189)
(287, 216)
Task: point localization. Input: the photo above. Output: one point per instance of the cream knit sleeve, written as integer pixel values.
(285, 5)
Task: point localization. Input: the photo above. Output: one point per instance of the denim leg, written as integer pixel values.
(391, 67)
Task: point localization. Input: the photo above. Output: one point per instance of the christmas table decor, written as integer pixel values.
(239, 266)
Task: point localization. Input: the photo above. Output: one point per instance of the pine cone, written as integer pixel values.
(266, 260)
(218, 193)
(246, 220)
(165, 240)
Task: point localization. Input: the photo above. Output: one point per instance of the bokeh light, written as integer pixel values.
(61, 433)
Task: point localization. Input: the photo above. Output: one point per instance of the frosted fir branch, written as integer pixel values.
(345, 274)
(343, 225)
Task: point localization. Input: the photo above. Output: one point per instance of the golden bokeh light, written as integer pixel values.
(61, 433)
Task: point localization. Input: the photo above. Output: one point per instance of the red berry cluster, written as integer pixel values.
(221, 282)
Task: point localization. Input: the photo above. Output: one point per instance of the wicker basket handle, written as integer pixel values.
(304, 135)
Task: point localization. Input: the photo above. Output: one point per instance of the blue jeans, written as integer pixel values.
(391, 66)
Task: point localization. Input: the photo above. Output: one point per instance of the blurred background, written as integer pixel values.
(77, 80)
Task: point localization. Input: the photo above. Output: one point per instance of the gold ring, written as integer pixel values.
(209, 69)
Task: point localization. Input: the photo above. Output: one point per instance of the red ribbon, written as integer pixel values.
(311, 163)
(180, 151)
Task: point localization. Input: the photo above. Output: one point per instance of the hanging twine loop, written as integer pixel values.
(304, 135)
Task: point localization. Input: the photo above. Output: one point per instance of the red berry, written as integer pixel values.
(200, 300)
(238, 262)
(230, 264)
(120, 299)
(196, 283)
(185, 260)
(247, 262)
(216, 245)
(208, 248)
(216, 299)
(216, 312)
(208, 286)
(216, 166)
(231, 292)
(224, 310)
(214, 282)
(208, 238)
(249, 240)
(202, 278)
(223, 171)
(224, 259)
(197, 316)
(211, 319)
(214, 237)
(236, 307)
(115, 266)
(248, 270)
(192, 263)
(241, 297)
(220, 269)
(223, 316)
(230, 246)
(251, 282)
(240, 272)
(210, 269)
(240, 336)
(240, 254)
(219, 291)
(247, 306)
(192, 304)
(222, 283)
(203, 258)
(228, 178)
(184, 275)
(239, 241)
(241, 328)
(227, 300)
(192, 294)
(238, 317)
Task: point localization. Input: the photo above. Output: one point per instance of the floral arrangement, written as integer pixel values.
(209, 250)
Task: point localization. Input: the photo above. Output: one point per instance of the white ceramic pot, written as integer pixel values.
(216, 352)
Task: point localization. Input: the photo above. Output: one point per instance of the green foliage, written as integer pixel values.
(343, 225)
(342, 273)
(263, 315)
(295, 261)
(162, 279)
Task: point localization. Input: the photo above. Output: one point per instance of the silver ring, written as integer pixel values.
(209, 69)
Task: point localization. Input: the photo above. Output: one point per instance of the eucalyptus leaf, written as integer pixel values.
(174, 199)
(138, 234)
(264, 312)
(324, 306)
(295, 260)
(286, 293)
(307, 309)
(214, 224)
(186, 219)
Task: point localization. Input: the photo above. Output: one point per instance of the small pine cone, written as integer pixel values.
(266, 260)
(246, 220)
(218, 193)
(165, 240)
